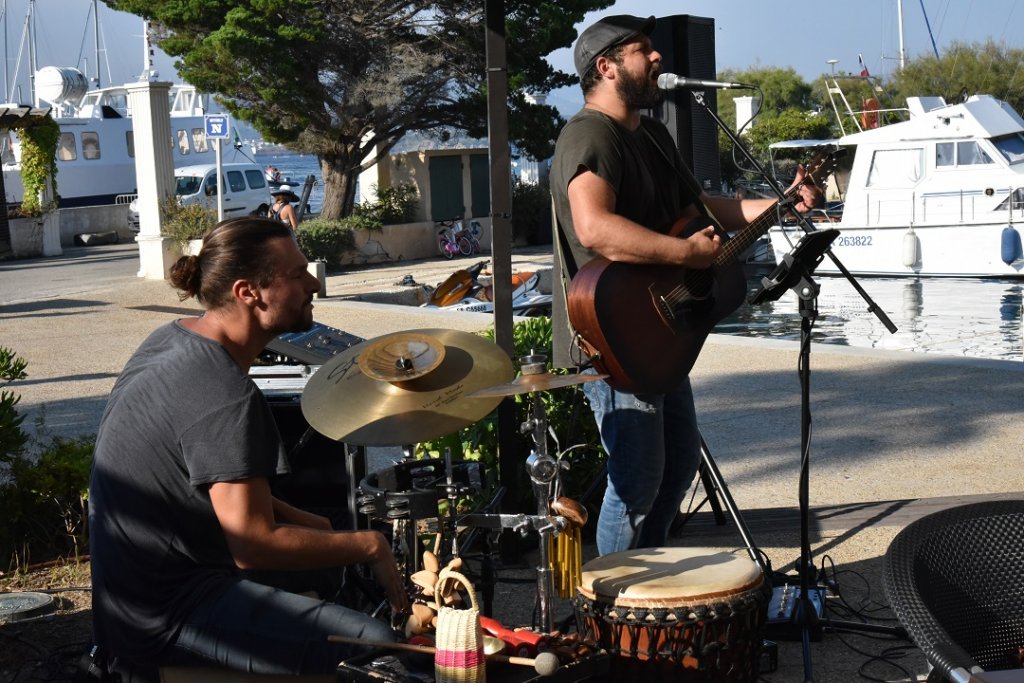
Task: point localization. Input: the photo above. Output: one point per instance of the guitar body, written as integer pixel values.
(642, 343)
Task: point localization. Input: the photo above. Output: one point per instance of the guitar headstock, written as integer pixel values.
(822, 163)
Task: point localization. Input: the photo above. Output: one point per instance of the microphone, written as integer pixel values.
(673, 82)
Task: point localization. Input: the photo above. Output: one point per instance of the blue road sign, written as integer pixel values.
(217, 126)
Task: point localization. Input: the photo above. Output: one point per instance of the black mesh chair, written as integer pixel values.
(955, 580)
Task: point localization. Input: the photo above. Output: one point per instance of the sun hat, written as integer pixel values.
(605, 34)
(285, 189)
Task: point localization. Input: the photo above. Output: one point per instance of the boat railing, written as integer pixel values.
(862, 118)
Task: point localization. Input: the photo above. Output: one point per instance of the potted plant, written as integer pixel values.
(186, 224)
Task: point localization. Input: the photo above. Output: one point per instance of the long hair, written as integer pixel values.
(234, 249)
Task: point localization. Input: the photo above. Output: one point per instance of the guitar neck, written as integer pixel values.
(748, 235)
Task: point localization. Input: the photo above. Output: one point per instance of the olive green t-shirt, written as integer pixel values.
(652, 187)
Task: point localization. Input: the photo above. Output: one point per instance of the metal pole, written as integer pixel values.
(220, 182)
(96, 37)
(30, 26)
(903, 54)
(501, 241)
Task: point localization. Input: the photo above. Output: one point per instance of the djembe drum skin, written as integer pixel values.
(680, 614)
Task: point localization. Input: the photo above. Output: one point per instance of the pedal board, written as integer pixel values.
(780, 625)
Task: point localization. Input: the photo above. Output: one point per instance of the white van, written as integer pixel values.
(245, 190)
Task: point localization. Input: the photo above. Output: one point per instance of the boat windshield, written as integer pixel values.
(188, 185)
(1011, 147)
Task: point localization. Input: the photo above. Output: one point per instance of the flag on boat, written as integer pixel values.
(863, 67)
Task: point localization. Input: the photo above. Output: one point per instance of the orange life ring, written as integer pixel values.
(869, 117)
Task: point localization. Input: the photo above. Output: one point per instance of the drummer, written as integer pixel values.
(180, 499)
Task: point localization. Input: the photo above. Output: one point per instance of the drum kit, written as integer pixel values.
(419, 385)
(700, 609)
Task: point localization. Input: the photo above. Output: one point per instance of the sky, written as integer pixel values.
(782, 33)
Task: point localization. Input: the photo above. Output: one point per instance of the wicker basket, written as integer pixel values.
(459, 653)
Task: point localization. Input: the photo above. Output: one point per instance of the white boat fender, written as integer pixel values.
(1011, 248)
(911, 248)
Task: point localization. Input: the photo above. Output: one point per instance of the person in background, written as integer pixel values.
(282, 209)
(180, 500)
(622, 191)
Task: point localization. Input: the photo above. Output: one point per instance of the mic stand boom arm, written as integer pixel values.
(698, 96)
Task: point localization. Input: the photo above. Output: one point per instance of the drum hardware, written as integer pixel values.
(534, 377)
(405, 387)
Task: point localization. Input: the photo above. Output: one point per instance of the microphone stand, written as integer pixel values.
(698, 96)
(794, 272)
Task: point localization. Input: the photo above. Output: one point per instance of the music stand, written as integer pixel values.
(794, 272)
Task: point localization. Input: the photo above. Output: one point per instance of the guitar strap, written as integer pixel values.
(672, 163)
(560, 326)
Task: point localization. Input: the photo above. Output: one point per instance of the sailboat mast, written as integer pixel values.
(903, 52)
(96, 37)
(30, 26)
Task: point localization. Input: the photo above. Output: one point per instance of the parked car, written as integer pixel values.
(245, 190)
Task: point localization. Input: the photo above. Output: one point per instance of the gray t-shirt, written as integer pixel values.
(181, 415)
(652, 187)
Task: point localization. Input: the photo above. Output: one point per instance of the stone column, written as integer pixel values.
(154, 173)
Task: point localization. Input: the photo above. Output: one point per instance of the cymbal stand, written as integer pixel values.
(543, 471)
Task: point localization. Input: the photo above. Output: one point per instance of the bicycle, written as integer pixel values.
(472, 234)
(451, 241)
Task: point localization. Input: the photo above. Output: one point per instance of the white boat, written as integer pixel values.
(96, 151)
(940, 194)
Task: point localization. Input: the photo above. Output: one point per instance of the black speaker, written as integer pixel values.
(687, 47)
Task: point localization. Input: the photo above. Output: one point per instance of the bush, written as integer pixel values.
(531, 212)
(394, 205)
(327, 239)
(12, 436)
(44, 502)
(567, 414)
(43, 488)
(185, 223)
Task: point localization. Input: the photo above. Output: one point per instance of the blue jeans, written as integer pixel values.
(259, 629)
(653, 447)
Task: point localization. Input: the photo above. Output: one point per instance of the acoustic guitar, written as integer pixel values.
(644, 325)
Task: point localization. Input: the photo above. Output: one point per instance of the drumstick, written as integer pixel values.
(546, 663)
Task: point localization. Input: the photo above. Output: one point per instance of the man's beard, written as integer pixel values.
(295, 323)
(638, 92)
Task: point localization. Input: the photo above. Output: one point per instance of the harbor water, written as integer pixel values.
(947, 316)
(297, 167)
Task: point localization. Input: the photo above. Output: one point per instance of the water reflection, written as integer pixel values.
(961, 317)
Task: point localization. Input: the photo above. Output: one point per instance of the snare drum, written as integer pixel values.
(685, 614)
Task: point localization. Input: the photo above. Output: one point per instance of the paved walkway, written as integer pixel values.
(887, 426)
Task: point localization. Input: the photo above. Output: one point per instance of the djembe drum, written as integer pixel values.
(681, 614)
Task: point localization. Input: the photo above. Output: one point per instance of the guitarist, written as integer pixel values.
(619, 186)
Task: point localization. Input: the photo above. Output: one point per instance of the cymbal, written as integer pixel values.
(347, 400)
(531, 382)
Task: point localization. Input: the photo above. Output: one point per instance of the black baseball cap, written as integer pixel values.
(605, 34)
